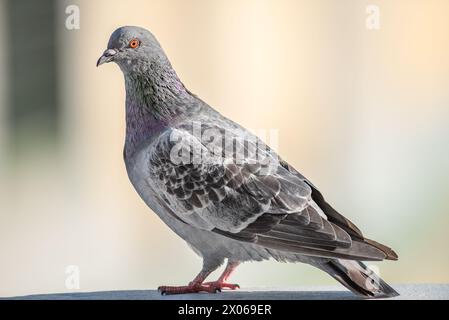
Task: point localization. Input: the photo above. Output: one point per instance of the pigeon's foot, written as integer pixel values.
(198, 285)
(220, 285)
(191, 288)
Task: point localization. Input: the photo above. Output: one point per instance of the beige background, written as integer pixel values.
(363, 113)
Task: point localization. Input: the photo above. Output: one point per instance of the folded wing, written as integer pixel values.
(242, 190)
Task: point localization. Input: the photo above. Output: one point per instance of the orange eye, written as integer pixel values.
(134, 43)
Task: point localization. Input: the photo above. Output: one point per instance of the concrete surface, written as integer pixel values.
(408, 292)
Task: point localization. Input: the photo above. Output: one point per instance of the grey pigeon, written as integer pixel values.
(220, 188)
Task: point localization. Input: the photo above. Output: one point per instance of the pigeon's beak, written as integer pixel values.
(107, 56)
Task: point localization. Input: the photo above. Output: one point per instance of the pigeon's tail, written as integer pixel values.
(358, 278)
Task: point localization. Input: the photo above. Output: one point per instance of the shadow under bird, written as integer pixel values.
(220, 188)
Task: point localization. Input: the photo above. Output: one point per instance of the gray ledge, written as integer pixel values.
(407, 292)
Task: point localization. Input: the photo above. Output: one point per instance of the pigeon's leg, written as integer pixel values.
(196, 286)
(221, 282)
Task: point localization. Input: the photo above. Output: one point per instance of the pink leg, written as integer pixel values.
(195, 286)
(221, 282)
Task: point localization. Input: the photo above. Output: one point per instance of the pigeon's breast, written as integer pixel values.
(139, 174)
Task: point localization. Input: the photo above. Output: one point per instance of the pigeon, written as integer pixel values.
(220, 188)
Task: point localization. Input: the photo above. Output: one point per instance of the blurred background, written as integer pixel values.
(361, 105)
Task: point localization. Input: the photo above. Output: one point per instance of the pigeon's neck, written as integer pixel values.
(141, 125)
(157, 88)
(155, 100)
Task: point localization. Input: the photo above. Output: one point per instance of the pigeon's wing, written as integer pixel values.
(237, 187)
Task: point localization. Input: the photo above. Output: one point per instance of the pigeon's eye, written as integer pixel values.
(134, 43)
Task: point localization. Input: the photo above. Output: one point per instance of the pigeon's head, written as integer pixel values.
(134, 49)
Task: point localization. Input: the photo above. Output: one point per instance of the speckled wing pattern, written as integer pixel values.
(239, 188)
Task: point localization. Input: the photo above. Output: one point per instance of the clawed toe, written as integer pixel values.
(222, 285)
(166, 290)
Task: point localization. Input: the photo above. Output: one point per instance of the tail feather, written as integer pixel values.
(358, 278)
(390, 254)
